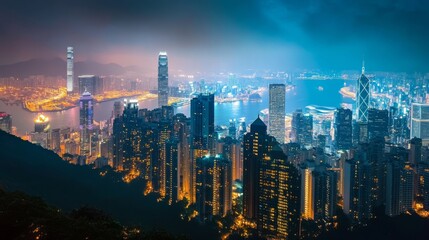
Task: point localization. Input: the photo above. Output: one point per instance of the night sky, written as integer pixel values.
(203, 35)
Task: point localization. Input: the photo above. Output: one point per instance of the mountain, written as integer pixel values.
(39, 172)
(57, 67)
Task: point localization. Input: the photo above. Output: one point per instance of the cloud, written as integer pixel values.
(330, 34)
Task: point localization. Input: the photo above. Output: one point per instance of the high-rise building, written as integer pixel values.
(88, 83)
(399, 187)
(55, 140)
(5, 122)
(86, 115)
(41, 124)
(213, 186)
(415, 146)
(202, 122)
(278, 197)
(202, 131)
(362, 97)
(378, 121)
(343, 129)
(70, 59)
(162, 79)
(302, 128)
(128, 138)
(172, 177)
(118, 108)
(231, 149)
(276, 118)
(324, 191)
(420, 122)
(256, 145)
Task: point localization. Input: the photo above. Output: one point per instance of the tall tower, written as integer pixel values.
(362, 97)
(420, 122)
(86, 121)
(256, 145)
(277, 112)
(343, 129)
(70, 69)
(162, 79)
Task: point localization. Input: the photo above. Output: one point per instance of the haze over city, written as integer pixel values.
(222, 35)
(201, 119)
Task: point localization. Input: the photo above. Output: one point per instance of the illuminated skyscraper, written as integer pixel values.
(278, 197)
(41, 124)
(399, 187)
(362, 97)
(89, 83)
(86, 121)
(213, 186)
(277, 112)
(5, 122)
(256, 145)
(343, 129)
(378, 121)
(70, 59)
(162, 79)
(302, 128)
(420, 122)
(172, 177)
(202, 130)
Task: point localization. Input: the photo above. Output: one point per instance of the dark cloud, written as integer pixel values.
(276, 34)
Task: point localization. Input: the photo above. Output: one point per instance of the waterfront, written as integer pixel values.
(305, 92)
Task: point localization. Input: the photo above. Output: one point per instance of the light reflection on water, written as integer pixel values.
(305, 93)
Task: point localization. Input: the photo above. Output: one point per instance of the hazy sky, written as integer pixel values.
(223, 34)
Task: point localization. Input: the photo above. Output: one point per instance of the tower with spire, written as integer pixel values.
(362, 97)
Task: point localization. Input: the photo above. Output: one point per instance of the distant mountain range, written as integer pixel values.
(58, 66)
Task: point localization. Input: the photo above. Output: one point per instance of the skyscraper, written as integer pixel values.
(343, 129)
(162, 79)
(213, 186)
(256, 145)
(378, 121)
(420, 122)
(70, 76)
(5, 122)
(302, 128)
(41, 123)
(399, 187)
(86, 121)
(277, 112)
(88, 83)
(362, 97)
(278, 197)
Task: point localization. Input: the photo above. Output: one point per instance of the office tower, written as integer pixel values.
(172, 177)
(118, 108)
(162, 79)
(277, 112)
(39, 138)
(343, 129)
(70, 59)
(302, 128)
(362, 97)
(88, 83)
(5, 122)
(86, 115)
(423, 184)
(378, 121)
(55, 137)
(256, 145)
(306, 169)
(231, 149)
(164, 132)
(357, 189)
(213, 187)
(181, 131)
(324, 192)
(420, 122)
(202, 122)
(399, 187)
(278, 197)
(41, 124)
(232, 130)
(202, 131)
(415, 146)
